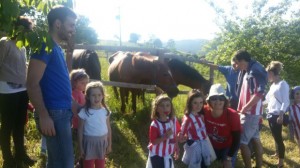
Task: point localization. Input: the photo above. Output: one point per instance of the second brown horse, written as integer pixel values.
(136, 68)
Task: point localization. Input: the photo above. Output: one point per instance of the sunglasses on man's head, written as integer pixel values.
(214, 98)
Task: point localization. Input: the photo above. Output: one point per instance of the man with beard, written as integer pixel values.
(49, 89)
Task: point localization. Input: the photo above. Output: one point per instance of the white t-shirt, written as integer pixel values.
(95, 121)
(7, 89)
(278, 97)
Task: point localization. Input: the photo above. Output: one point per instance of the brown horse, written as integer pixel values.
(136, 68)
(89, 61)
(188, 76)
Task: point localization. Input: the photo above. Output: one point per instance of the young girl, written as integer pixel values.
(79, 79)
(94, 131)
(294, 114)
(194, 132)
(162, 134)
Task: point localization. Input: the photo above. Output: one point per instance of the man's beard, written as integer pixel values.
(64, 35)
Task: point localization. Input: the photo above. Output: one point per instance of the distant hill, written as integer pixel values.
(191, 46)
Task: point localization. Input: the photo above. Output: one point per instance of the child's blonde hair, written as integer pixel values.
(156, 102)
(275, 66)
(89, 87)
(77, 75)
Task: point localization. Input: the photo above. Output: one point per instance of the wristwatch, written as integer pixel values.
(228, 158)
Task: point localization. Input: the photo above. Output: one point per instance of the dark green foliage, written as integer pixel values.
(84, 33)
(37, 10)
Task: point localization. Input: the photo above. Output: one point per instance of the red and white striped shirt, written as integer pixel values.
(295, 118)
(157, 130)
(194, 127)
(250, 84)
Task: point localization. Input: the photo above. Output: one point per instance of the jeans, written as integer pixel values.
(60, 147)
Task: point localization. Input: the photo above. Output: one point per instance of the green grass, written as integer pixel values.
(130, 135)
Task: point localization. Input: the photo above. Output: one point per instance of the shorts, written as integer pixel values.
(250, 124)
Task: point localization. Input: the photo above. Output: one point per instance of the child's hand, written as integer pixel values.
(169, 132)
(176, 151)
(108, 149)
(81, 152)
(181, 138)
(30, 107)
(81, 155)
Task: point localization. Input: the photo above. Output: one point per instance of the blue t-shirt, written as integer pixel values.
(55, 83)
(231, 77)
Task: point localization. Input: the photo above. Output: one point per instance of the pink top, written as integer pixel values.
(78, 96)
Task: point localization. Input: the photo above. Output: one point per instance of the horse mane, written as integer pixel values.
(186, 70)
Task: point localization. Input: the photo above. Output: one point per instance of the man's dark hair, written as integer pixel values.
(60, 13)
(25, 22)
(242, 54)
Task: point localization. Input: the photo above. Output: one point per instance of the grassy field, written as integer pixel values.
(130, 135)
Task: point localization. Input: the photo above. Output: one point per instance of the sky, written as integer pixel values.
(163, 19)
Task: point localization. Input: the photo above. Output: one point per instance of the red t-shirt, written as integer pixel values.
(78, 96)
(219, 129)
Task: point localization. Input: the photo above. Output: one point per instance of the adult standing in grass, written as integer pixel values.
(278, 102)
(251, 86)
(49, 89)
(231, 74)
(13, 97)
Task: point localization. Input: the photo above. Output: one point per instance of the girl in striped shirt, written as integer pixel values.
(294, 114)
(162, 134)
(194, 132)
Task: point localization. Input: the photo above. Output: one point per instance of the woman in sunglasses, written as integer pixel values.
(222, 125)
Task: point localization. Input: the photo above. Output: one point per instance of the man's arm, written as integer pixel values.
(36, 70)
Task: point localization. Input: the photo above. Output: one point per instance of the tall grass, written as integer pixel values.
(130, 134)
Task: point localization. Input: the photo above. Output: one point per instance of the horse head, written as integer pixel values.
(88, 60)
(156, 72)
(186, 75)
